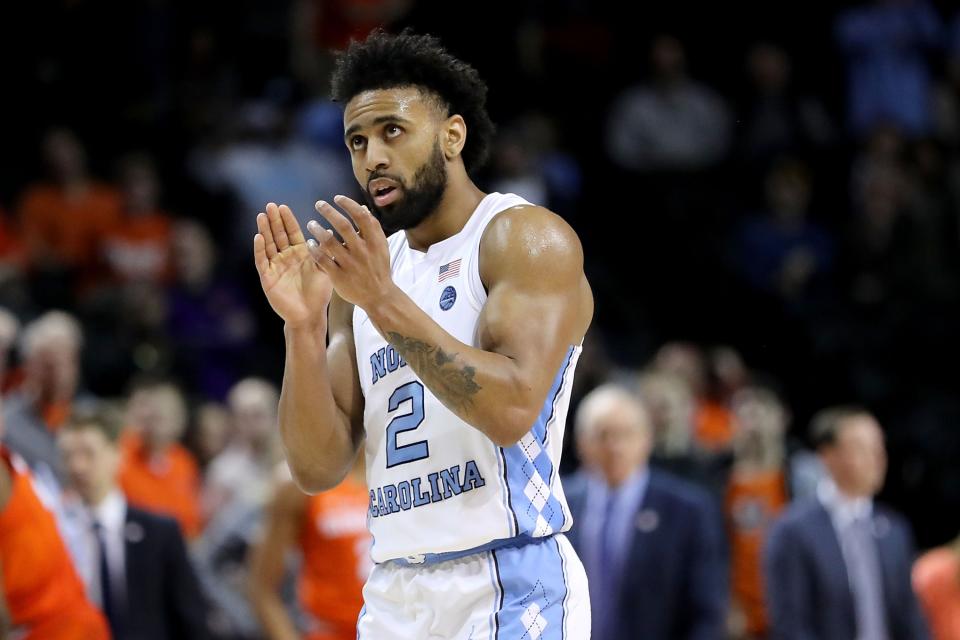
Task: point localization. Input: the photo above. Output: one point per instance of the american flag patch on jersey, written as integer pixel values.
(449, 270)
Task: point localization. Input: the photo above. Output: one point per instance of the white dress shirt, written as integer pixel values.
(111, 513)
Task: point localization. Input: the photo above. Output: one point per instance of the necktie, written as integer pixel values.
(106, 591)
(606, 597)
(866, 581)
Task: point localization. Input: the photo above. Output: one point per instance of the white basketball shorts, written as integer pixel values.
(537, 591)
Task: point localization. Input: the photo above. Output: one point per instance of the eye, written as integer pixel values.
(392, 130)
(356, 142)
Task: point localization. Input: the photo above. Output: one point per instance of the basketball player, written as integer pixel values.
(330, 530)
(448, 348)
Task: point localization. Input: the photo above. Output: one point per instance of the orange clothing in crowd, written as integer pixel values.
(751, 504)
(43, 593)
(11, 249)
(936, 579)
(713, 426)
(168, 483)
(336, 560)
(138, 248)
(67, 227)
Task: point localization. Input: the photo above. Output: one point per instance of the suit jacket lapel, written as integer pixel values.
(134, 558)
(831, 555)
(888, 556)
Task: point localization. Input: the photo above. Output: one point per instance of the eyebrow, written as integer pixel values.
(378, 120)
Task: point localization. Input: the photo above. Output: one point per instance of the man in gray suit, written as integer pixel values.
(837, 566)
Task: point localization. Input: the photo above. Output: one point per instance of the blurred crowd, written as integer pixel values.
(790, 192)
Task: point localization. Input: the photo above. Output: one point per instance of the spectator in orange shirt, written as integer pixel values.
(137, 248)
(41, 595)
(936, 579)
(756, 493)
(12, 259)
(62, 220)
(330, 530)
(156, 472)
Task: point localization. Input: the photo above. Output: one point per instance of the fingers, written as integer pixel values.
(263, 226)
(276, 226)
(338, 221)
(260, 254)
(368, 225)
(321, 258)
(327, 242)
(290, 224)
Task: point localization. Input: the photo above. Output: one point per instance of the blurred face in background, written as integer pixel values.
(91, 461)
(857, 460)
(53, 369)
(614, 438)
(65, 156)
(253, 407)
(671, 407)
(760, 421)
(668, 58)
(160, 415)
(213, 430)
(193, 254)
(141, 187)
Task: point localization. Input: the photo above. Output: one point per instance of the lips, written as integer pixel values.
(384, 191)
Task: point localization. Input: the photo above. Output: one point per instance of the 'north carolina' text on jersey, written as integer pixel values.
(438, 485)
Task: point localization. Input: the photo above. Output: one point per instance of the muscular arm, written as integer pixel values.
(267, 562)
(321, 410)
(538, 304)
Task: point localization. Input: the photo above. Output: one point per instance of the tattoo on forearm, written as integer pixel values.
(449, 380)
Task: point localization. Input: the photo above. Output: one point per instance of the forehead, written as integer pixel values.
(859, 429)
(409, 103)
(86, 436)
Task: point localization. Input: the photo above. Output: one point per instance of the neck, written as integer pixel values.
(457, 205)
(617, 480)
(96, 499)
(850, 495)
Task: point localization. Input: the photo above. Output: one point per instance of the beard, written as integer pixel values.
(419, 200)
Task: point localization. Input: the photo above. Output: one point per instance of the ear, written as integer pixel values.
(453, 136)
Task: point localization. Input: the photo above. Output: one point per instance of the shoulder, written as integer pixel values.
(898, 522)
(575, 485)
(676, 489)
(153, 523)
(532, 237)
(798, 517)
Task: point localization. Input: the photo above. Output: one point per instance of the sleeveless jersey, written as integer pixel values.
(440, 488)
(336, 560)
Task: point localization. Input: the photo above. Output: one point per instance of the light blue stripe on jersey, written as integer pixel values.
(529, 469)
(534, 587)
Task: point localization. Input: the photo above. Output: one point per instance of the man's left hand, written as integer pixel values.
(359, 266)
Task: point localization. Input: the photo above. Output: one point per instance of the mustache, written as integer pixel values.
(380, 174)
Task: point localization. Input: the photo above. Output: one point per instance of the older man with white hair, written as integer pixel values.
(651, 543)
(50, 347)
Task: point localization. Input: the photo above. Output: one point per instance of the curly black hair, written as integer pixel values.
(385, 61)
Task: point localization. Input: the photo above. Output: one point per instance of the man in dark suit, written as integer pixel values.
(837, 567)
(651, 543)
(134, 563)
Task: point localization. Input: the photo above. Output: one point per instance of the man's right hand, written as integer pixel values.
(297, 289)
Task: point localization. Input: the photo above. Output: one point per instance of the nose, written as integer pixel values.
(378, 157)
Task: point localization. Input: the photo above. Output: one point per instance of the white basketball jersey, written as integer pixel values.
(438, 485)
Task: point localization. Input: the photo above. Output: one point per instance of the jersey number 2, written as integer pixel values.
(402, 454)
